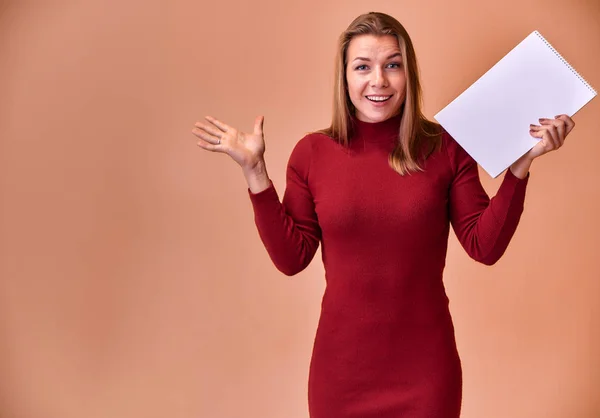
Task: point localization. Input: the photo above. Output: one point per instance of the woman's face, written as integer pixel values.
(375, 76)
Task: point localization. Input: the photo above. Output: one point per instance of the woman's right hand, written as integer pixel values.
(246, 149)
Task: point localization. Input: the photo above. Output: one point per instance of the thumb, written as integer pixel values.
(258, 125)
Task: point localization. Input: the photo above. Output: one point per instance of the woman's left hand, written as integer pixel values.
(552, 134)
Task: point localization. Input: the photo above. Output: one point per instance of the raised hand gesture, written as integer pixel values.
(246, 149)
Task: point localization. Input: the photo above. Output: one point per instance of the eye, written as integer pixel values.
(361, 67)
(395, 64)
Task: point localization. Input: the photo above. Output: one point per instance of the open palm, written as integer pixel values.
(246, 149)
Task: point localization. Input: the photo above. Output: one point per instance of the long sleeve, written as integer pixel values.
(483, 226)
(289, 229)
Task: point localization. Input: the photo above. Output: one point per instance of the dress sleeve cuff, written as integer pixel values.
(265, 195)
(511, 178)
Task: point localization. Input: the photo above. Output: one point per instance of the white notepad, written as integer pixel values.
(490, 119)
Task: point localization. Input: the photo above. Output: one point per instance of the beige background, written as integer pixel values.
(132, 279)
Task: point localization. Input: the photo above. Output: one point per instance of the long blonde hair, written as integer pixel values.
(418, 136)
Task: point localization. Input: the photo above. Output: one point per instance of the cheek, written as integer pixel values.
(400, 86)
(403, 82)
(400, 81)
(354, 87)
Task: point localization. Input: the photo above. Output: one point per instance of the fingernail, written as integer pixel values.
(542, 119)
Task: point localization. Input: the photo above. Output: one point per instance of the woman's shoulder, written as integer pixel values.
(315, 136)
(307, 145)
(311, 139)
(449, 144)
(314, 140)
(445, 137)
(456, 154)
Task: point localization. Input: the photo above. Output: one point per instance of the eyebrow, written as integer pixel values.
(397, 54)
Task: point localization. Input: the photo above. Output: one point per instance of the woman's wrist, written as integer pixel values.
(521, 167)
(257, 176)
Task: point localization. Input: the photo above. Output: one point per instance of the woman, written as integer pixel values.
(379, 189)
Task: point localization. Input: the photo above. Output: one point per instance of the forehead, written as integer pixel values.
(372, 46)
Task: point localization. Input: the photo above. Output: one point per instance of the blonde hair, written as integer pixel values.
(418, 136)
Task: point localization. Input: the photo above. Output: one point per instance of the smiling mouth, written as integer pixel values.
(379, 99)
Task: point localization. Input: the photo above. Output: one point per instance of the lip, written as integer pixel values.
(379, 104)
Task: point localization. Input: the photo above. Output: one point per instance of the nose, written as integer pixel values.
(378, 78)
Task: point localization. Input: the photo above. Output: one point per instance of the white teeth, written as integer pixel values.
(378, 98)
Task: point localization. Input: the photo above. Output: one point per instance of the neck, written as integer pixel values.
(385, 131)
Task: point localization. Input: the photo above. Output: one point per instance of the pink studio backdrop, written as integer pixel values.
(132, 279)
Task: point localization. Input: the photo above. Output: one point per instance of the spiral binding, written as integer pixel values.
(566, 63)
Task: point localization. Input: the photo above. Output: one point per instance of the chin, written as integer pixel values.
(375, 117)
(378, 115)
(378, 118)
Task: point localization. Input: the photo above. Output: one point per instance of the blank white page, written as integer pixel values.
(490, 119)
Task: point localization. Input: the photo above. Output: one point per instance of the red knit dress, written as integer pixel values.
(385, 345)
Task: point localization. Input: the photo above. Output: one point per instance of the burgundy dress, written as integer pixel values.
(385, 345)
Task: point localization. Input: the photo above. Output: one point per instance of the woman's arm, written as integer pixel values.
(485, 226)
(289, 230)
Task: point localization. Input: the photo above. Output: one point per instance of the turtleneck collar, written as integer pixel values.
(384, 131)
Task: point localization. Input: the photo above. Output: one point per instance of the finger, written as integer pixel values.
(212, 130)
(535, 128)
(258, 125)
(543, 133)
(553, 134)
(206, 136)
(536, 131)
(222, 126)
(209, 147)
(569, 122)
(559, 124)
